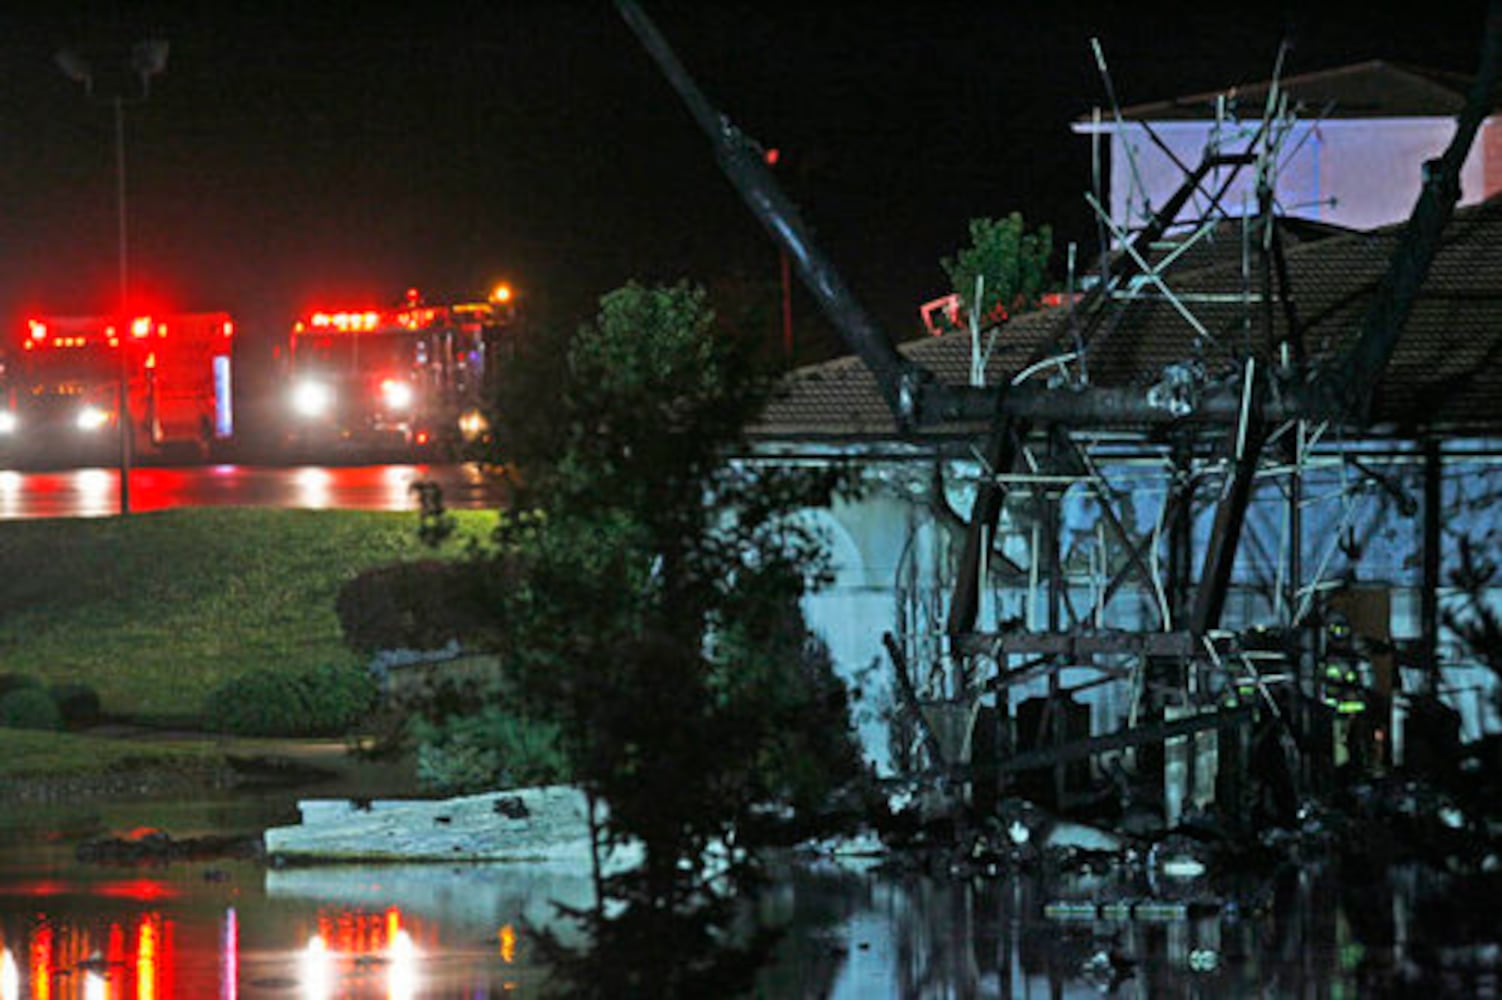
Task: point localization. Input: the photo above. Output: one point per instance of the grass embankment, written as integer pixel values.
(40, 765)
(156, 610)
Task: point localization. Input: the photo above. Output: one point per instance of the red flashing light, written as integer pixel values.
(344, 322)
(140, 326)
(415, 319)
(772, 156)
(38, 329)
(229, 328)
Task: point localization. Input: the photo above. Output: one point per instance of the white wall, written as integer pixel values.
(1371, 167)
(893, 542)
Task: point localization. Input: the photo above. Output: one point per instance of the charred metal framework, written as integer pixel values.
(1210, 443)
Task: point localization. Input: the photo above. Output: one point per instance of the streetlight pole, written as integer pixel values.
(122, 326)
(146, 59)
(785, 273)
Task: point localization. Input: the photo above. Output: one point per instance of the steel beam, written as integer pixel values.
(1000, 454)
(1244, 446)
(1349, 383)
(1156, 732)
(1432, 564)
(1077, 644)
(898, 378)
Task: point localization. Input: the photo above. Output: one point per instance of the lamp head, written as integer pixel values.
(75, 67)
(149, 59)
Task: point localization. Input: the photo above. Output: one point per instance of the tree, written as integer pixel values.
(648, 592)
(1011, 263)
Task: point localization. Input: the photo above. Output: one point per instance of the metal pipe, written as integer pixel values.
(898, 378)
(122, 388)
(1433, 539)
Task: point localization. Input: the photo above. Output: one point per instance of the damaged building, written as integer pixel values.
(1206, 536)
(1100, 541)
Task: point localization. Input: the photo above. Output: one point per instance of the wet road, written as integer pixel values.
(95, 492)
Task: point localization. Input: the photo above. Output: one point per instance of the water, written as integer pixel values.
(236, 928)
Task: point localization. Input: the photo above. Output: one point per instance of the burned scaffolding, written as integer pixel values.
(1164, 476)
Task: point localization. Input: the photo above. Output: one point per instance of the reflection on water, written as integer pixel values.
(10, 493)
(235, 929)
(134, 957)
(312, 485)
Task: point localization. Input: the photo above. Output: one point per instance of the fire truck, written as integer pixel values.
(413, 376)
(64, 376)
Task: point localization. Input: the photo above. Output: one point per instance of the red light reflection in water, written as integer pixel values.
(142, 890)
(355, 950)
(130, 960)
(146, 961)
(40, 889)
(116, 955)
(358, 932)
(41, 963)
(359, 953)
(95, 492)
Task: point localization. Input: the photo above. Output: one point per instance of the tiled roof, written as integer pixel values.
(1372, 89)
(1234, 239)
(1446, 371)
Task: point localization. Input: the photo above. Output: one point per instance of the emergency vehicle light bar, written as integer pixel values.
(345, 322)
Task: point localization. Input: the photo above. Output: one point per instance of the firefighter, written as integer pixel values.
(1357, 724)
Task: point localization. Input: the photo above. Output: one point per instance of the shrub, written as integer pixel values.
(414, 605)
(337, 697)
(326, 701)
(14, 682)
(493, 749)
(78, 703)
(29, 708)
(260, 703)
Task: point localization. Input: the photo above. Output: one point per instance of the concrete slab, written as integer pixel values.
(529, 824)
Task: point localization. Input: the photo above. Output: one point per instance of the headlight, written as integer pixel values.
(7, 422)
(91, 418)
(396, 394)
(312, 399)
(472, 424)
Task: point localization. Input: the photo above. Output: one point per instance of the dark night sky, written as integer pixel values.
(297, 152)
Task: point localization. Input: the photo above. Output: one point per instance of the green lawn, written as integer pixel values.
(155, 610)
(30, 754)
